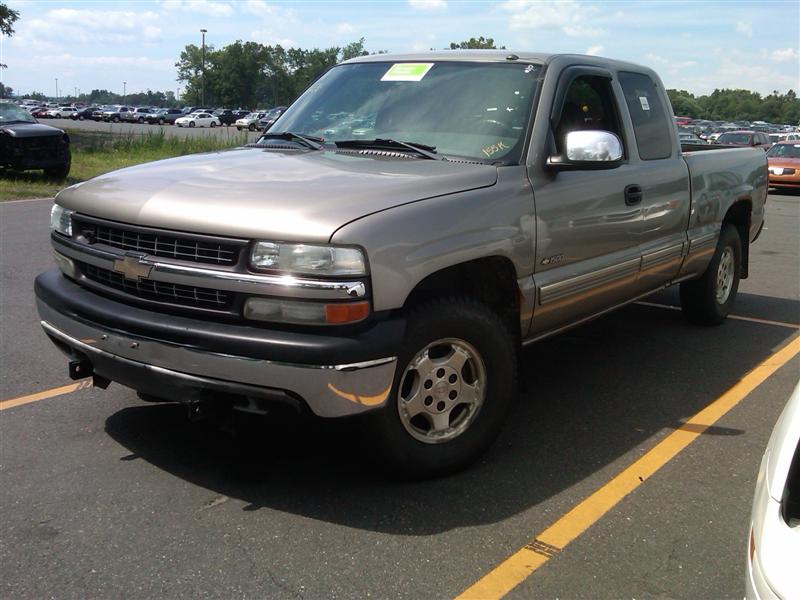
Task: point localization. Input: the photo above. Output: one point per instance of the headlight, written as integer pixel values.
(308, 259)
(61, 220)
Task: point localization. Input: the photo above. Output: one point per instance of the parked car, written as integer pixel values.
(784, 165)
(396, 277)
(114, 114)
(774, 540)
(198, 119)
(163, 116)
(39, 113)
(754, 139)
(272, 115)
(26, 144)
(62, 112)
(83, 113)
(226, 116)
(136, 115)
(251, 121)
(689, 137)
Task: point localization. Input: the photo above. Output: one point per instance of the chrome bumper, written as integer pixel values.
(328, 390)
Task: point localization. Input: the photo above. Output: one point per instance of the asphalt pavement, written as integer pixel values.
(105, 496)
(223, 132)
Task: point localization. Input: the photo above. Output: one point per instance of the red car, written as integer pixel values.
(40, 113)
(754, 139)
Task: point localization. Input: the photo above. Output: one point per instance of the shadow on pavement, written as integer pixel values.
(593, 395)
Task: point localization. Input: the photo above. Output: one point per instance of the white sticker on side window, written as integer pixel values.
(407, 72)
(645, 104)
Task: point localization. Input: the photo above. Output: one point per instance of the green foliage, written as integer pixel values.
(7, 19)
(737, 105)
(252, 75)
(5, 91)
(480, 43)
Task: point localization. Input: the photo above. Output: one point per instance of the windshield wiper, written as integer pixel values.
(315, 143)
(423, 150)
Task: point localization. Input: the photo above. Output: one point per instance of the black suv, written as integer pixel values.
(26, 144)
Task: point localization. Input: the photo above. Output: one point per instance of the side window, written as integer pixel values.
(648, 114)
(588, 105)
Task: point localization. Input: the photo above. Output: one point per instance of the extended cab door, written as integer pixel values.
(587, 230)
(662, 177)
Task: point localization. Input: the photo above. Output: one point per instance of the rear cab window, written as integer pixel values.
(651, 125)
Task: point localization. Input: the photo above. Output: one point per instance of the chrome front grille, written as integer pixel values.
(159, 291)
(198, 249)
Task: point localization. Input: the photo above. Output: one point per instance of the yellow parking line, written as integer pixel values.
(51, 393)
(517, 567)
(734, 317)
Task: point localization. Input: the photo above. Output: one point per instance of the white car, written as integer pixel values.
(62, 112)
(251, 122)
(200, 119)
(774, 553)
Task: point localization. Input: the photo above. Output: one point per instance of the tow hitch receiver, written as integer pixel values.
(80, 369)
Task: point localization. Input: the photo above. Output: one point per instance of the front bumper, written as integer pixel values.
(188, 359)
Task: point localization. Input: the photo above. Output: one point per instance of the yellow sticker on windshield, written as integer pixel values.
(407, 72)
(494, 149)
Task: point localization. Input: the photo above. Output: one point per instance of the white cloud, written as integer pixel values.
(745, 28)
(269, 37)
(668, 65)
(209, 8)
(784, 55)
(427, 4)
(595, 50)
(345, 29)
(93, 26)
(569, 17)
(260, 8)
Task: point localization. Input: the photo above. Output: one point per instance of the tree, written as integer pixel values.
(475, 44)
(5, 91)
(7, 19)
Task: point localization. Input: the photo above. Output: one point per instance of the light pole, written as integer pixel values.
(56, 90)
(203, 76)
(124, 91)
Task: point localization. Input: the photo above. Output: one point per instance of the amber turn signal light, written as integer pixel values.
(350, 312)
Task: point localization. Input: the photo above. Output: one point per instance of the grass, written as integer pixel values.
(95, 153)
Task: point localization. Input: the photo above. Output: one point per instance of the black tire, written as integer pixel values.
(251, 127)
(464, 320)
(140, 120)
(700, 301)
(161, 121)
(59, 172)
(191, 124)
(115, 119)
(80, 117)
(212, 124)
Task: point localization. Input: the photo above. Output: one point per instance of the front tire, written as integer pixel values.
(455, 383)
(191, 124)
(709, 299)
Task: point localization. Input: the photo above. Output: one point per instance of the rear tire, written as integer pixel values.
(709, 299)
(454, 385)
(191, 124)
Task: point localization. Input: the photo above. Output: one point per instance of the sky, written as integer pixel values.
(696, 46)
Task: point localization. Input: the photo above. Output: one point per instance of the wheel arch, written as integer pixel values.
(491, 280)
(739, 214)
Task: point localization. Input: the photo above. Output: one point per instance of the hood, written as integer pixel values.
(29, 130)
(783, 161)
(258, 193)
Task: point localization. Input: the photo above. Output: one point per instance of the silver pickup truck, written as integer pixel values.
(387, 248)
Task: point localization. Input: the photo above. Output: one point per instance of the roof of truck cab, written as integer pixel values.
(495, 56)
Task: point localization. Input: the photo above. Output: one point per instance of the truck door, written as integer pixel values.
(662, 177)
(587, 250)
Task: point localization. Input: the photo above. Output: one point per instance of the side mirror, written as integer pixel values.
(588, 150)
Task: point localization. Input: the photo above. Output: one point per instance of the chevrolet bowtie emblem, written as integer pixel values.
(132, 267)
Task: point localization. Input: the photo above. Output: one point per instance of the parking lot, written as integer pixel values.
(136, 128)
(106, 496)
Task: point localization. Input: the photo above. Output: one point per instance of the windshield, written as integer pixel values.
(11, 113)
(474, 110)
(734, 138)
(784, 151)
